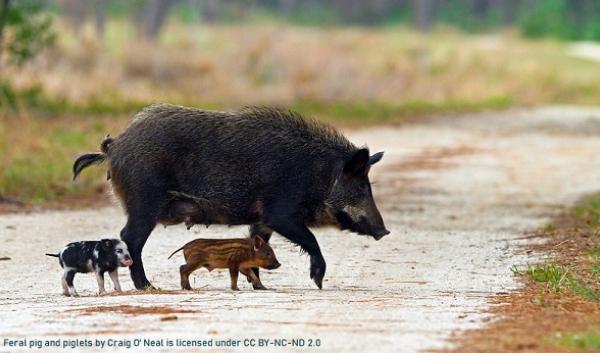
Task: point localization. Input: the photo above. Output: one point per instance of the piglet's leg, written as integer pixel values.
(253, 278)
(114, 277)
(100, 279)
(69, 276)
(234, 271)
(65, 287)
(184, 272)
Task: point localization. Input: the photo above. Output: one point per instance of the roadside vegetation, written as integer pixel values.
(62, 89)
(558, 308)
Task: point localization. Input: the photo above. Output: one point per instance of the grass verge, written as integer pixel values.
(557, 309)
(41, 136)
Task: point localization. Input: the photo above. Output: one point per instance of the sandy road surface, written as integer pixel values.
(458, 195)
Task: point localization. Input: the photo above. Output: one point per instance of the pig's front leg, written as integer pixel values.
(100, 279)
(253, 278)
(114, 277)
(234, 270)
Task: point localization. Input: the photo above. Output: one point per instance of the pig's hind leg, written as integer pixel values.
(69, 277)
(185, 271)
(142, 216)
(65, 287)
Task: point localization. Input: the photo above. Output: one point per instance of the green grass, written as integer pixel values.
(33, 100)
(558, 279)
(589, 211)
(589, 340)
(36, 155)
(553, 275)
(40, 136)
(379, 112)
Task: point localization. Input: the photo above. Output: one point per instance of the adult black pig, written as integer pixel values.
(271, 169)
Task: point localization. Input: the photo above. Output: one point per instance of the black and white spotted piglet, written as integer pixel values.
(99, 257)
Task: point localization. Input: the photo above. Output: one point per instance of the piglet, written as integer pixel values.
(237, 255)
(106, 255)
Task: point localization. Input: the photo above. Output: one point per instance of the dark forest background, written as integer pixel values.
(569, 20)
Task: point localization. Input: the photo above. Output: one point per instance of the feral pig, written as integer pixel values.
(106, 255)
(273, 170)
(238, 255)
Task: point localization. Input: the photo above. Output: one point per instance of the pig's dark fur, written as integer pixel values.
(271, 169)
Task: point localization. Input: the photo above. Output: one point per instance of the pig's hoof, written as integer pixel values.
(259, 287)
(318, 281)
(235, 289)
(317, 271)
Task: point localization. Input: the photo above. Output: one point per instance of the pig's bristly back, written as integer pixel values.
(247, 129)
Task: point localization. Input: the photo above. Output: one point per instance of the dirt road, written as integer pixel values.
(458, 195)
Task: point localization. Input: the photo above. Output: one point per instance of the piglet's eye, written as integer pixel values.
(119, 251)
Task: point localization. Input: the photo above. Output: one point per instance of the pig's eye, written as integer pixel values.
(119, 251)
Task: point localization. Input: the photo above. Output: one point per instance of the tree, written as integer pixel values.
(154, 15)
(30, 32)
(481, 7)
(100, 11)
(425, 11)
(509, 11)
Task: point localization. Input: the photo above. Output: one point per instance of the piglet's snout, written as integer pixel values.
(274, 266)
(127, 261)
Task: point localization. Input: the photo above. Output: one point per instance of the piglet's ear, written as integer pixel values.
(258, 242)
(106, 243)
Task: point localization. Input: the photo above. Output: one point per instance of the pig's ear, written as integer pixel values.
(358, 164)
(106, 243)
(258, 242)
(375, 158)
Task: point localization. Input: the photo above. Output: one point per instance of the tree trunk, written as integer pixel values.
(509, 11)
(101, 17)
(481, 7)
(75, 10)
(154, 14)
(4, 8)
(425, 10)
(286, 6)
(210, 11)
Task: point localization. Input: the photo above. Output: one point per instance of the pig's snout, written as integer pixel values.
(380, 233)
(274, 265)
(127, 262)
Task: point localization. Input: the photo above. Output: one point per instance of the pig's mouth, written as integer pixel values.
(380, 233)
(362, 227)
(273, 266)
(126, 262)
